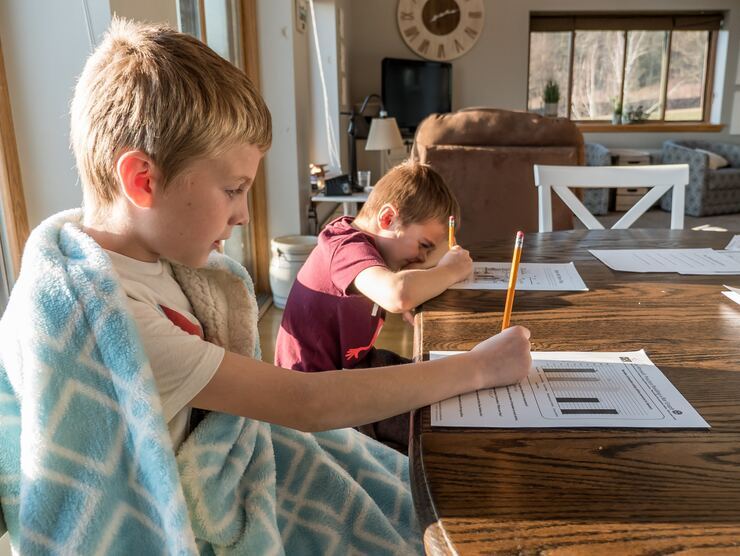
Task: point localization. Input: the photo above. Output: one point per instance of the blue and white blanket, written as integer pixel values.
(86, 461)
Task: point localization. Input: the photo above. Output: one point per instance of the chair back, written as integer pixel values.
(486, 157)
(659, 179)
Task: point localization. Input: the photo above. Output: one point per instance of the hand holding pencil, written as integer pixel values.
(456, 258)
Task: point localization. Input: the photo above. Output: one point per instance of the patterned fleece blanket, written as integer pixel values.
(86, 461)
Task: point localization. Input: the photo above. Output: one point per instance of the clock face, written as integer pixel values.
(440, 29)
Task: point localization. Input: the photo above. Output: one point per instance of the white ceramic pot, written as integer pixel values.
(288, 255)
(551, 109)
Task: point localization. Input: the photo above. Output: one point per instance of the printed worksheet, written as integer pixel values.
(575, 389)
(734, 244)
(684, 261)
(531, 276)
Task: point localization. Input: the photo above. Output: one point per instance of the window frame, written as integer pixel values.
(191, 17)
(570, 23)
(14, 215)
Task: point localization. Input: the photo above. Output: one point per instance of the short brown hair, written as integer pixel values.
(150, 88)
(416, 191)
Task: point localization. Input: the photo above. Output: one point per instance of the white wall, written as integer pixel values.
(284, 75)
(45, 45)
(494, 72)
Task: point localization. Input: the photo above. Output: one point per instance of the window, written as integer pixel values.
(655, 67)
(229, 28)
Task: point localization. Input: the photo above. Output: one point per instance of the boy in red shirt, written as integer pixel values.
(392, 257)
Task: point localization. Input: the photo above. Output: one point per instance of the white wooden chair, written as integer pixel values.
(659, 179)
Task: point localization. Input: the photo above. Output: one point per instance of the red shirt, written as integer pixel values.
(327, 323)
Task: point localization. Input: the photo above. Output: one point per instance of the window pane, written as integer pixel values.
(222, 29)
(187, 13)
(687, 75)
(643, 71)
(597, 73)
(548, 59)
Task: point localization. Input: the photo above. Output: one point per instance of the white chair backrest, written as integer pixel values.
(659, 178)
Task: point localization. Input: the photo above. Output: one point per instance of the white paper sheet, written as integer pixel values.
(732, 293)
(531, 276)
(575, 389)
(734, 244)
(684, 261)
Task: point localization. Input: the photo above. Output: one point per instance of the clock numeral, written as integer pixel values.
(475, 15)
(407, 16)
(472, 33)
(441, 51)
(411, 32)
(458, 46)
(424, 46)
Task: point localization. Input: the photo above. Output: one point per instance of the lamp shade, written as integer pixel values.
(384, 135)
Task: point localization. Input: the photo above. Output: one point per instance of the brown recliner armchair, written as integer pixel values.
(486, 156)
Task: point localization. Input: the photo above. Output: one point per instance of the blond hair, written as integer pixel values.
(150, 88)
(416, 191)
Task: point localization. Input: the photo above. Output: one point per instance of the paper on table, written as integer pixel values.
(686, 261)
(733, 294)
(731, 255)
(734, 244)
(575, 389)
(531, 276)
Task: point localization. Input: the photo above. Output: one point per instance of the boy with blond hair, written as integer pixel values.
(392, 257)
(124, 319)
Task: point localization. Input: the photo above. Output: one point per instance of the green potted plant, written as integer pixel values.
(551, 97)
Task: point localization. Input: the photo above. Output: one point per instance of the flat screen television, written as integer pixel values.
(413, 89)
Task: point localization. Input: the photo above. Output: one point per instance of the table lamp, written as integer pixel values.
(383, 135)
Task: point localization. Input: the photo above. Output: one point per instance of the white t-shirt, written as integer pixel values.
(182, 362)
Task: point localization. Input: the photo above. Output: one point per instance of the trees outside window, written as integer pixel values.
(652, 67)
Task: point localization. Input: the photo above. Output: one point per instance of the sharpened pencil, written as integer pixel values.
(512, 280)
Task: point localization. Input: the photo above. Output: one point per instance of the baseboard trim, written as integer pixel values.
(264, 301)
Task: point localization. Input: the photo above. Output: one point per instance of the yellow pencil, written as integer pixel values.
(512, 280)
(451, 232)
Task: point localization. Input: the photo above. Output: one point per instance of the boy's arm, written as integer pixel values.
(401, 291)
(336, 399)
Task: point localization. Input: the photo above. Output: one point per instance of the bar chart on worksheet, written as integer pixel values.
(575, 390)
(531, 276)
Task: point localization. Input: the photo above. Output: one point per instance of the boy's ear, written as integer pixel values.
(137, 175)
(387, 217)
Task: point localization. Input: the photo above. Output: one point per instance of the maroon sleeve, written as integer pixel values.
(351, 256)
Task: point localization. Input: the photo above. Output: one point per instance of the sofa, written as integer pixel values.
(710, 191)
(487, 155)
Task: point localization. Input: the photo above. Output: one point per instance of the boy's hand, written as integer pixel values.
(458, 261)
(504, 358)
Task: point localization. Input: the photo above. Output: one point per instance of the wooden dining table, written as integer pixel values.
(590, 490)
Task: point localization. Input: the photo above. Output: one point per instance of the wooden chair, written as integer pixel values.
(660, 179)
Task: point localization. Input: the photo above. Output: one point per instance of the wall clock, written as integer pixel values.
(440, 29)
